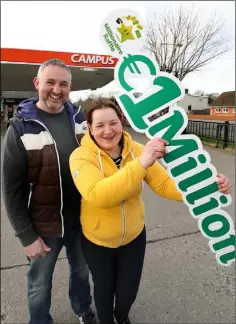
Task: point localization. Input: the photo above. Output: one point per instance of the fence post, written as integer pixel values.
(217, 134)
(226, 134)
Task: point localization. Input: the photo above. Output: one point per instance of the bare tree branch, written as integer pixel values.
(181, 44)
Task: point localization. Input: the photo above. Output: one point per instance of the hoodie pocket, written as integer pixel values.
(91, 222)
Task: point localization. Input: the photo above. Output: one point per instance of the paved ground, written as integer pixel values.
(181, 282)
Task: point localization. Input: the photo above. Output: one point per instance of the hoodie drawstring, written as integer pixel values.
(100, 161)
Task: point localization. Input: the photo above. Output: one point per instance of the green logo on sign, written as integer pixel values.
(122, 31)
(129, 32)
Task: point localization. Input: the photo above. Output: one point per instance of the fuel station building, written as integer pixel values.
(20, 66)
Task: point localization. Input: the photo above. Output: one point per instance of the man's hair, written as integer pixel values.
(55, 62)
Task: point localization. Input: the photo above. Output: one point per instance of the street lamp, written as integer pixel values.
(178, 44)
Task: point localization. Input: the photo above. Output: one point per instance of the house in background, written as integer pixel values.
(191, 103)
(224, 105)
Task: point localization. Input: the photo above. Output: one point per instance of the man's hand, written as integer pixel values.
(224, 184)
(37, 249)
(153, 150)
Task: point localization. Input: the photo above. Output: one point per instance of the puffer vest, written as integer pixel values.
(44, 176)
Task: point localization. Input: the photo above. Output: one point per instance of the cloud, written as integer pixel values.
(70, 26)
(74, 26)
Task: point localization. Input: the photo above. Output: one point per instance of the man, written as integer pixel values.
(41, 200)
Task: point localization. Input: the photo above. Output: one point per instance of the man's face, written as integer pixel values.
(53, 85)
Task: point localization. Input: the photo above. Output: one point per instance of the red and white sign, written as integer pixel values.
(11, 55)
(105, 60)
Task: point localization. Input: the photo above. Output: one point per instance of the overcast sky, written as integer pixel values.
(74, 26)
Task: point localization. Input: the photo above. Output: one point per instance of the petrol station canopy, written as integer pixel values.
(20, 66)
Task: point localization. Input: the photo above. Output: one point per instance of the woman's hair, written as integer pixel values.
(100, 104)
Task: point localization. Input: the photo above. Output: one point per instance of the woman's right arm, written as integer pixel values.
(100, 191)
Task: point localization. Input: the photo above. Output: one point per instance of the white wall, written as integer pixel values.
(196, 102)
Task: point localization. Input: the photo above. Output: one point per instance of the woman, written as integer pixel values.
(108, 170)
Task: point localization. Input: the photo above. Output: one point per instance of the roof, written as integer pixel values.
(20, 66)
(199, 96)
(225, 99)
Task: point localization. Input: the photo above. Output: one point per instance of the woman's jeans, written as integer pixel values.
(40, 279)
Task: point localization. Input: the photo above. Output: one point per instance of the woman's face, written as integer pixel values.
(106, 128)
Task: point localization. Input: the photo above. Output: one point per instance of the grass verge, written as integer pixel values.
(212, 142)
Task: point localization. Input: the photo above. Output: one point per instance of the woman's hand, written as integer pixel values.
(224, 184)
(156, 149)
(153, 150)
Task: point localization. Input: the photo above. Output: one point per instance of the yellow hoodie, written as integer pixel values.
(112, 210)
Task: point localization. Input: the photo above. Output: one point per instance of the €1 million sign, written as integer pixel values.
(187, 163)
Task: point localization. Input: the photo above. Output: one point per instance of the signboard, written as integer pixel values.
(12, 101)
(71, 59)
(186, 161)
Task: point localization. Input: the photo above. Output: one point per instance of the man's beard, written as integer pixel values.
(54, 107)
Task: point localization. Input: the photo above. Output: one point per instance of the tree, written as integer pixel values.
(182, 44)
(212, 97)
(200, 93)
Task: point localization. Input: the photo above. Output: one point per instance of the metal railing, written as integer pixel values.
(223, 132)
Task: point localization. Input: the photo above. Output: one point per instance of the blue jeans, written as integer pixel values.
(40, 279)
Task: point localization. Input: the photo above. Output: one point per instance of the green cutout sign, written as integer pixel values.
(187, 163)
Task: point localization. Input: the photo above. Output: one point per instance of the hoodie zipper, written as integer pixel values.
(30, 194)
(124, 223)
(59, 169)
(123, 213)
